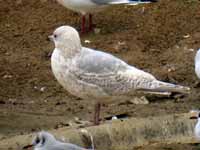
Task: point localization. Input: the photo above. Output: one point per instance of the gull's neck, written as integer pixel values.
(69, 51)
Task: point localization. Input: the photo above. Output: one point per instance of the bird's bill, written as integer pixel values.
(194, 114)
(28, 146)
(50, 37)
(193, 117)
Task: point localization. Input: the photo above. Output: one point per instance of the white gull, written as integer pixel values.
(197, 63)
(90, 6)
(92, 74)
(46, 141)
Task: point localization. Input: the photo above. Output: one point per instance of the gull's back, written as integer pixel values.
(98, 62)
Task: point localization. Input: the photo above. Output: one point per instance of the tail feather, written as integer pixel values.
(168, 87)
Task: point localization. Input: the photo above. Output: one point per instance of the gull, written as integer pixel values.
(97, 75)
(197, 128)
(195, 114)
(46, 141)
(85, 7)
(197, 63)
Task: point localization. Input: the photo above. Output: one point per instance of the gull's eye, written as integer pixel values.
(37, 140)
(55, 36)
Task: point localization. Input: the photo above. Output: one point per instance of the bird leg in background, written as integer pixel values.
(90, 22)
(97, 113)
(83, 24)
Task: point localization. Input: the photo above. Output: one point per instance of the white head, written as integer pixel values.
(66, 39)
(42, 139)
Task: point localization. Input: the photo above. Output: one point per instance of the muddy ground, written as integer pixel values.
(161, 38)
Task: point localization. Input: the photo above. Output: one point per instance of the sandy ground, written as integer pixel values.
(160, 38)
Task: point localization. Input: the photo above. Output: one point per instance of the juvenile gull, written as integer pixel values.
(46, 141)
(92, 74)
(90, 6)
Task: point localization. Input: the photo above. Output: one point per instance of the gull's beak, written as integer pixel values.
(50, 37)
(193, 117)
(28, 146)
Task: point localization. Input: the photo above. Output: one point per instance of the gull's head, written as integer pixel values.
(66, 37)
(41, 140)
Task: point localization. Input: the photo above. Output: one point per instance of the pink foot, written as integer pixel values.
(90, 22)
(97, 113)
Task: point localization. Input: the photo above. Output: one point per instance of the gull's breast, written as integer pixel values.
(61, 69)
(81, 6)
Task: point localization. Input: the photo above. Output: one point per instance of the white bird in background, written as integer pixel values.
(46, 141)
(92, 74)
(90, 6)
(195, 114)
(197, 64)
(197, 128)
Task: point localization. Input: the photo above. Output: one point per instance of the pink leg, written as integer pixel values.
(90, 22)
(83, 24)
(97, 113)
